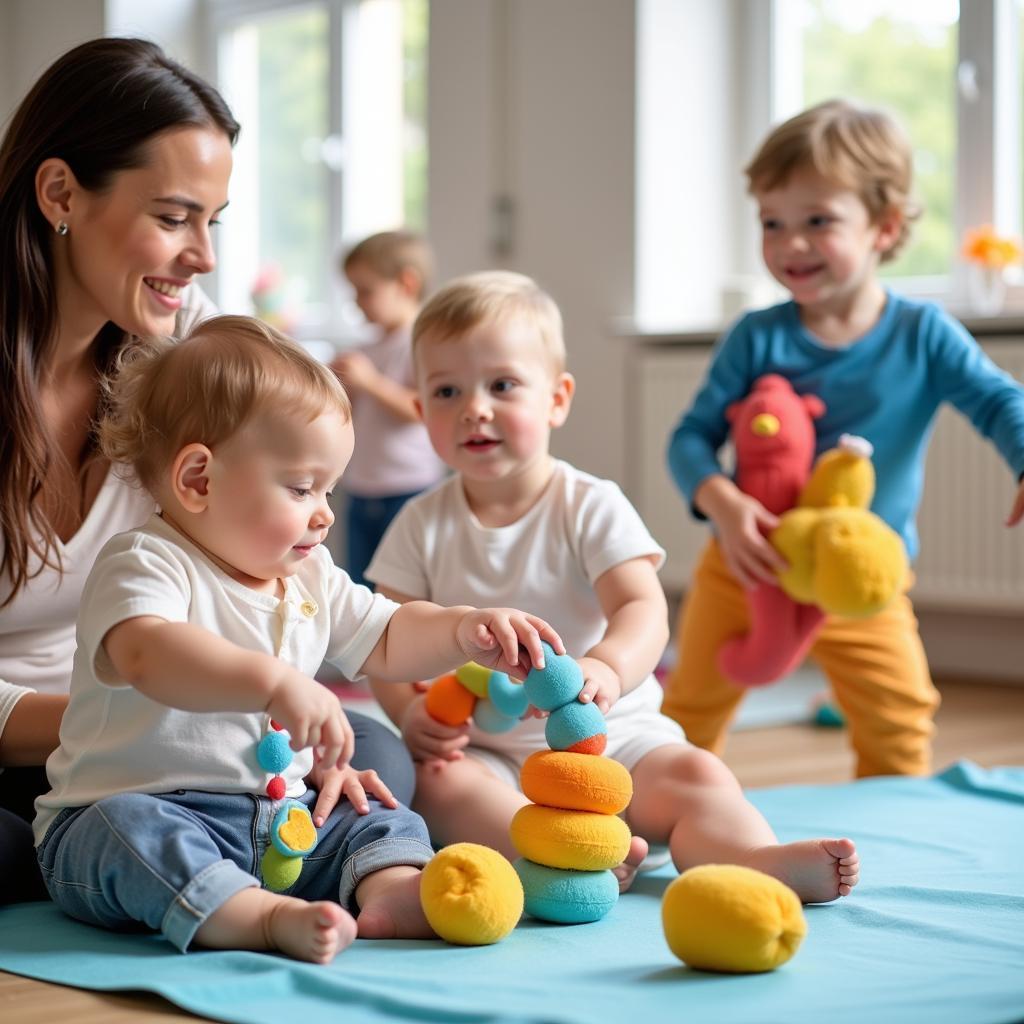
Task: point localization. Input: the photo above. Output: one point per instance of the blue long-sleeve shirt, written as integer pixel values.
(886, 386)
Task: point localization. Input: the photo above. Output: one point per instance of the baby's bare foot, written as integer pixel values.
(626, 871)
(818, 870)
(310, 931)
(390, 906)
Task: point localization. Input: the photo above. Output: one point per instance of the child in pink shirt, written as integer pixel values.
(393, 458)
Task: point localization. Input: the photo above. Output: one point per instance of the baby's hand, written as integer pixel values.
(333, 783)
(505, 640)
(600, 684)
(355, 370)
(746, 551)
(431, 740)
(312, 716)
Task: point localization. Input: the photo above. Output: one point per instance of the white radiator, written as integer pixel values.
(968, 559)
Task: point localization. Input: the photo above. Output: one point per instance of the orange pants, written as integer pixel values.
(877, 668)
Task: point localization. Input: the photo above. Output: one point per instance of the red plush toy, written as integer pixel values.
(773, 433)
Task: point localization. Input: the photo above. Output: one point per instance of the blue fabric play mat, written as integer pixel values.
(934, 932)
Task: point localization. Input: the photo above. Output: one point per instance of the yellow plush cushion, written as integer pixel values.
(722, 917)
(577, 840)
(845, 560)
(860, 562)
(793, 538)
(840, 477)
(576, 782)
(471, 895)
(298, 832)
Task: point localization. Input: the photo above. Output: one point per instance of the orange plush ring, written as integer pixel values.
(576, 782)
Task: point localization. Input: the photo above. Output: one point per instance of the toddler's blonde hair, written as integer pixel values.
(164, 394)
(855, 147)
(492, 296)
(389, 253)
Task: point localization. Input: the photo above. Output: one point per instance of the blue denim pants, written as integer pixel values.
(166, 862)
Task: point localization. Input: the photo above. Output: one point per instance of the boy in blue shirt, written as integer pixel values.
(833, 186)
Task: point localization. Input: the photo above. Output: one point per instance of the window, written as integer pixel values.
(952, 73)
(842, 49)
(331, 95)
(713, 78)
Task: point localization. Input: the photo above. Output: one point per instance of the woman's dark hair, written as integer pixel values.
(97, 108)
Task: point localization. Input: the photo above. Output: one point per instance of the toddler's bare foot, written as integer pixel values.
(390, 907)
(818, 870)
(309, 931)
(626, 871)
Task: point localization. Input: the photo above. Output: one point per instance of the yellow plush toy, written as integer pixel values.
(842, 557)
(471, 895)
(723, 917)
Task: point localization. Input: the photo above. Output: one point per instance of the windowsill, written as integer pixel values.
(707, 334)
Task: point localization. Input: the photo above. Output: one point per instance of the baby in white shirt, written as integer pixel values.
(194, 723)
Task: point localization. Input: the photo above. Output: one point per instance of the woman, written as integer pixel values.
(112, 173)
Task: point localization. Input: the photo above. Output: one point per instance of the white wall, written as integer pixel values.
(175, 24)
(533, 100)
(34, 34)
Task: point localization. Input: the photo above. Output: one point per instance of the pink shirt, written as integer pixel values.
(392, 456)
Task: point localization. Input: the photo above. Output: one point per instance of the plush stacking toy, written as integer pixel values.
(491, 699)
(471, 895)
(570, 836)
(843, 559)
(723, 917)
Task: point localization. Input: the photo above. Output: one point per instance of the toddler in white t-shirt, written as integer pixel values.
(514, 524)
(181, 779)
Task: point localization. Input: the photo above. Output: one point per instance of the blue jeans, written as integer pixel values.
(377, 747)
(166, 862)
(365, 522)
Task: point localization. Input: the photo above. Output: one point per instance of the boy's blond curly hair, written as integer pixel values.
(164, 394)
(858, 148)
(492, 296)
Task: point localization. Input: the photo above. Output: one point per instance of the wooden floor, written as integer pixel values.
(978, 721)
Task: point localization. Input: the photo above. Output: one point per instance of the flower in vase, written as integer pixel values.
(985, 247)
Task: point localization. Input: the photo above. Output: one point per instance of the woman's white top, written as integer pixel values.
(37, 629)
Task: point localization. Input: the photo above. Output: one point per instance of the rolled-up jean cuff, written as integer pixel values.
(207, 892)
(384, 853)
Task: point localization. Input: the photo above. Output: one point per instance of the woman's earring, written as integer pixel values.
(61, 228)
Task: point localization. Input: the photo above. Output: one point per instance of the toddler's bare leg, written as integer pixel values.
(464, 802)
(688, 798)
(257, 919)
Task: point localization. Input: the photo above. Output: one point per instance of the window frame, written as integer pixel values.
(348, 215)
(223, 16)
(987, 181)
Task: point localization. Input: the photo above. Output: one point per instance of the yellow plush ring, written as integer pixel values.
(576, 782)
(577, 840)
